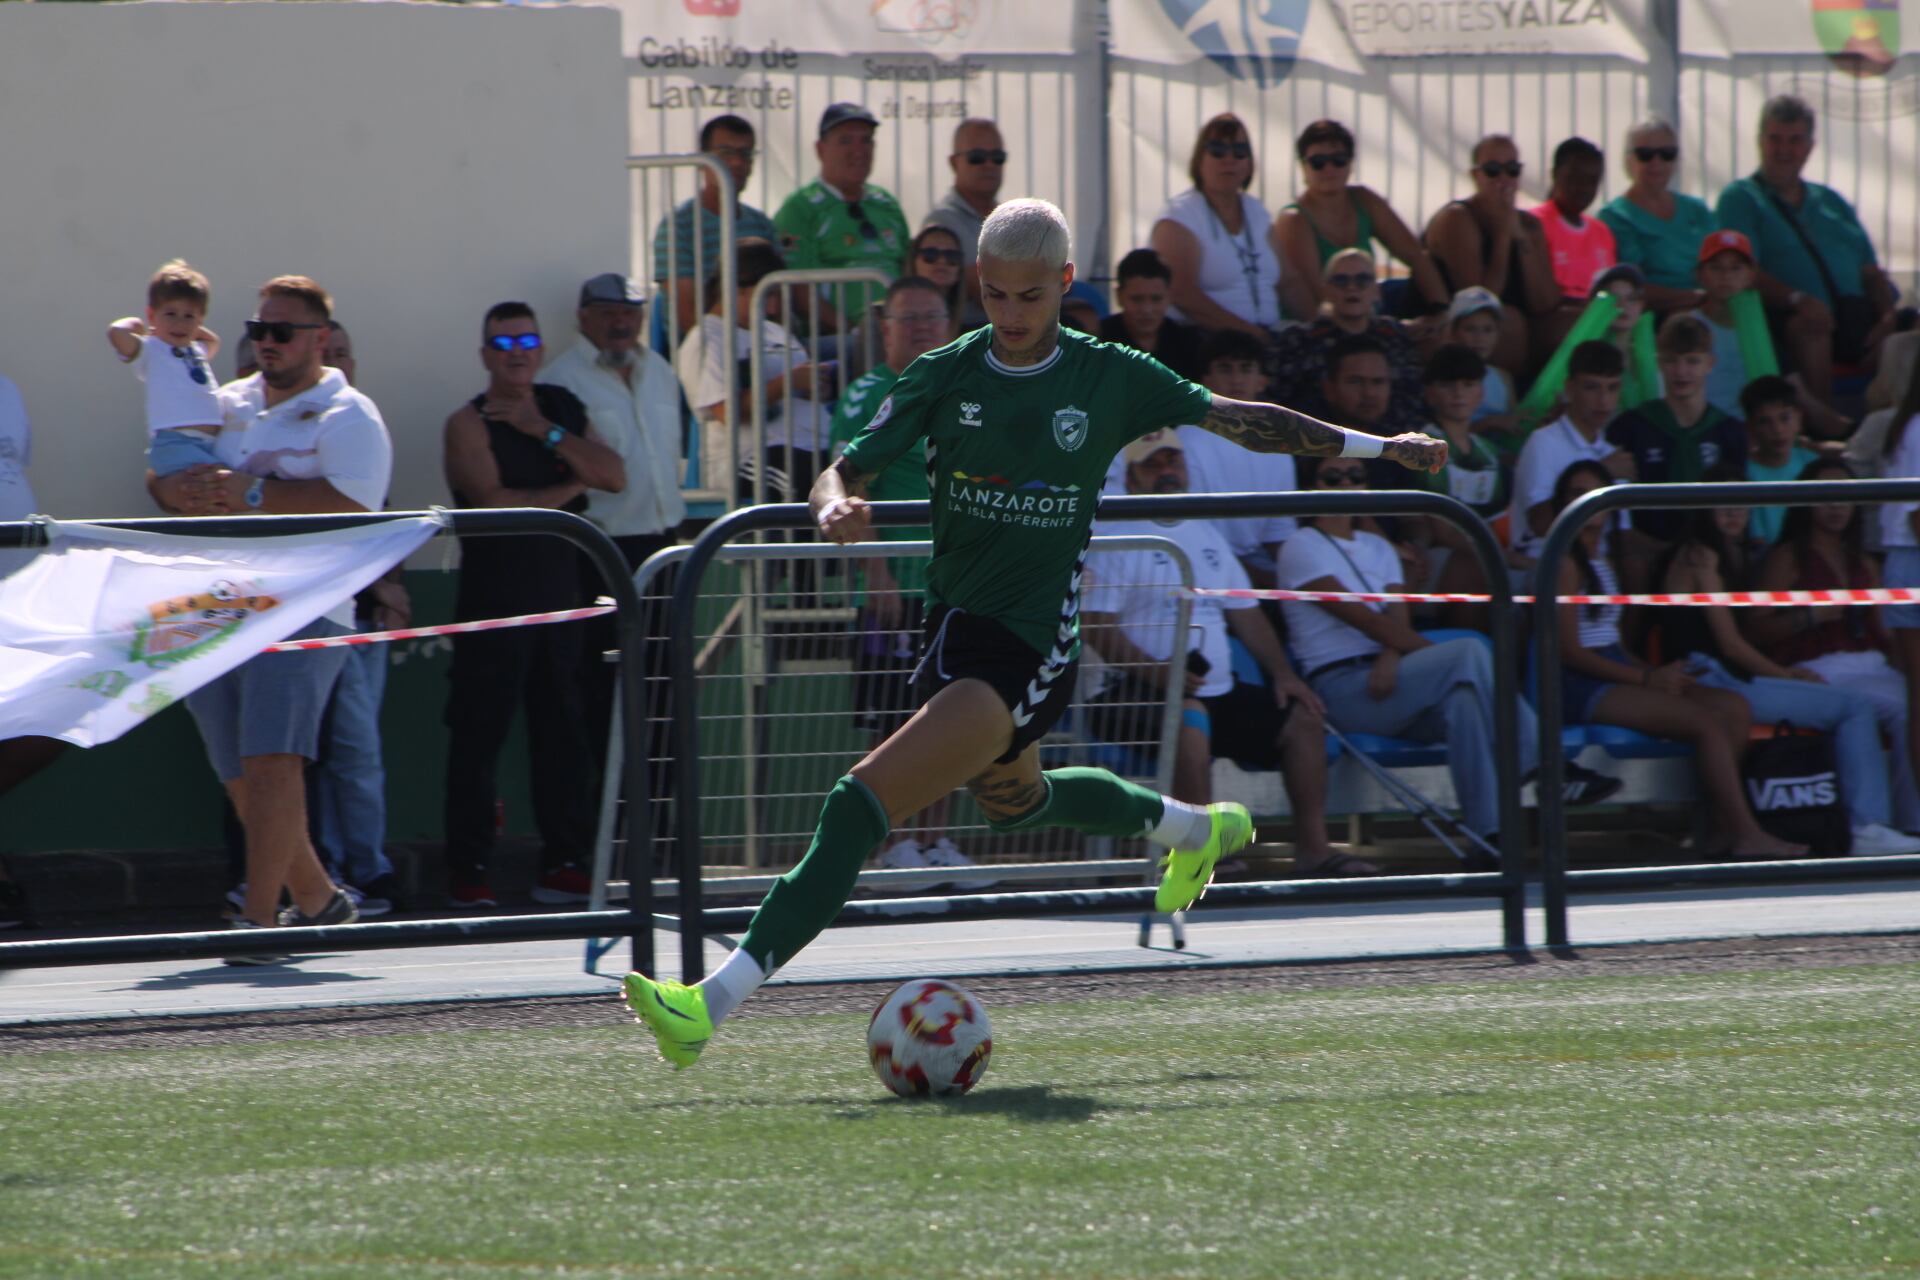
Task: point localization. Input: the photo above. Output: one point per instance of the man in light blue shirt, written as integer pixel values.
(730, 140)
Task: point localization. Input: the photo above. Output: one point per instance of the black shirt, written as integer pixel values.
(1178, 346)
(523, 573)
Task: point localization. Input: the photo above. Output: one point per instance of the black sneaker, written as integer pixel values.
(254, 957)
(1581, 785)
(13, 905)
(339, 910)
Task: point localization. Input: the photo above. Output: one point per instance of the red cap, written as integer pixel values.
(1719, 242)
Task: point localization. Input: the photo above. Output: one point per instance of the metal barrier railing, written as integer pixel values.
(804, 707)
(1555, 877)
(1508, 884)
(636, 923)
(715, 474)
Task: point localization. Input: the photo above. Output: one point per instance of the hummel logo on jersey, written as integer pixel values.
(1815, 791)
(970, 414)
(1069, 428)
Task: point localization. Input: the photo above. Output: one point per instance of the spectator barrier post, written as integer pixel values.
(1508, 883)
(1555, 877)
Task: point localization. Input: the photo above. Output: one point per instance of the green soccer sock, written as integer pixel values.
(806, 899)
(1103, 804)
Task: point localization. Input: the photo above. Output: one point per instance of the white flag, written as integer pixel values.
(108, 626)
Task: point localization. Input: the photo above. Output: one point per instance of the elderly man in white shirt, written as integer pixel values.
(295, 438)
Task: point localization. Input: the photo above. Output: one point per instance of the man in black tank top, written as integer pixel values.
(520, 444)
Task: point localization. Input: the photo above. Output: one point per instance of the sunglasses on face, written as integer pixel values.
(1331, 160)
(514, 342)
(865, 224)
(949, 256)
(985, 155)
(1495, 168)
(1222, 150)
(276, 331)
(1342, 475)
(1647, 155)
(1358, 280)
(919, 317)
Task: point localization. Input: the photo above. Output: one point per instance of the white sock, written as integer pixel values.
(738, 977)
(1181, 825)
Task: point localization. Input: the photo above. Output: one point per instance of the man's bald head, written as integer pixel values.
(978, 161)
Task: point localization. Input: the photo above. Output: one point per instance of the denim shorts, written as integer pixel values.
(1580, 691)
(1903, 570)
(174, 450)
(269, 705)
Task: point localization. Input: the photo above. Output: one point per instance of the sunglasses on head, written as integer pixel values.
(1357, 280)
(278, 331)
(951, 257)
(514, 342)
(986, 155)
(1221, 150)
(860, 218)
(1329, 160)
(1495, 168)
(1648, 154)
(1342, 475)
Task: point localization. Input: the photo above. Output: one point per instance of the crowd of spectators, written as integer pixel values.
(1554, 346)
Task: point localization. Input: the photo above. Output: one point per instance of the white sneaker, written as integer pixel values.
(945, 853)
(904, 855)
(236, 900)
(1877, 840)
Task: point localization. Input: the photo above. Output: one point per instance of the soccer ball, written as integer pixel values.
(929, 1038)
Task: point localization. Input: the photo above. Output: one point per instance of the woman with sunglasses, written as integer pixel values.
(1334, 213)
(1216, 239)
(1656, 228)
(1490, 241)
(936, 255)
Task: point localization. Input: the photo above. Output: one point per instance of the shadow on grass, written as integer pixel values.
(268, 976)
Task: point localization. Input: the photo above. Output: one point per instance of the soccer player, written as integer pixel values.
(1021, 421)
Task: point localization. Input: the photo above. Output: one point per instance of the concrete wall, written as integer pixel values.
(420, 161)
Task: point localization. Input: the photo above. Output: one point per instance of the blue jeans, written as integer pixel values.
(1444, 694)
(1849, 717)
(350, 781)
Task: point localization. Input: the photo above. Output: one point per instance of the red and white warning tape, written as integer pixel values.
(448, 629)
(1730, 599)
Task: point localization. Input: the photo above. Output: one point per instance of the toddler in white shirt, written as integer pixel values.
(170, 351)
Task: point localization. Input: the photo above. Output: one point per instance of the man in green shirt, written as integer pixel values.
(842, 220)
(1020, 422)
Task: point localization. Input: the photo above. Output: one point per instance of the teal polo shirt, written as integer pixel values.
(1829, 222)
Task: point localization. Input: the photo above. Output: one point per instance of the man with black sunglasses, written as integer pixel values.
(842, 220)
(979, 163)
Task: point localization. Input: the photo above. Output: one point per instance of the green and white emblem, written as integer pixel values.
(1069, 428)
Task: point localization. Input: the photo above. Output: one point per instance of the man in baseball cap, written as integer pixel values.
(842, 220)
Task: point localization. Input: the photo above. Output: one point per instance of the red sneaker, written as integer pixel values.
(472, 893)
(566, 883)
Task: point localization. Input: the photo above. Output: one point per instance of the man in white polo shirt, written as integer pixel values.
(296, 439)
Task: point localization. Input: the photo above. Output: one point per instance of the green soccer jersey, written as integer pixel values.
(1016, 458)
(904, 481)
(819, 229)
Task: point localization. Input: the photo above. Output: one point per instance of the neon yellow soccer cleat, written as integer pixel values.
(674, 1012)
(1189, 870)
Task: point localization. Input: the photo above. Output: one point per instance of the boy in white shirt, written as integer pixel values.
(170, 351)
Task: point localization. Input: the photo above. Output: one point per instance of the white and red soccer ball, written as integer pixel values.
(929, 1039)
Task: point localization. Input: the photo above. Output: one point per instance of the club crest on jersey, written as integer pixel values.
(1069, 428)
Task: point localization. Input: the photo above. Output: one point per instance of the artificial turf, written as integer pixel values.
(1734, 1124)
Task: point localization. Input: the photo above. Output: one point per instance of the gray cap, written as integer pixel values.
(841, 112)
(611, 286)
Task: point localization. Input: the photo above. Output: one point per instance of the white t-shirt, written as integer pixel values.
(638, 418)
(1363, 562)
(707, 363)
(181, 388)
(1218, 465)
(1238, 272)
(16, 451)
(1548, 452)
(1140, 586)
(1896, 518)
(329, 432)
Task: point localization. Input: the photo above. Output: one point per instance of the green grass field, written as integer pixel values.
(1742, 1124)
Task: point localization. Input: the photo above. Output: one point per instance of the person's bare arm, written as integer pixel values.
(208, 339)
(1536, 260)
(1778, 572)
(1453, 240)
(1272, 428)
(839, 503)
(125, 335)
(1292, 240)
(1104, 632)
(286, 497)
(473, 472)
(195, 491)
(594, 463)
(1251, 628)
(1388, 627)
(1180, 251)
(1404, 245)
(1696, 569)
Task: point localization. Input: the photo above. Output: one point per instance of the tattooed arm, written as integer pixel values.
(839, 502)
(1272, 428)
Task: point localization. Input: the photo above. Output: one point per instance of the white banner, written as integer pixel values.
(1871, 31)
(735, 35)
(1258, 40)
(108, 627)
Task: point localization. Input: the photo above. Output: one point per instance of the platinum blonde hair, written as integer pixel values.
(1027, 231)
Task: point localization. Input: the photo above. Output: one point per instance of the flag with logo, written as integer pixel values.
(108, 626)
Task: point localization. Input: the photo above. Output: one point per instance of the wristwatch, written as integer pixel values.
(554, 436)
(257, 493)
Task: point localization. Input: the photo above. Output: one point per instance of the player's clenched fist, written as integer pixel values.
(845, 520)
(1416, 452)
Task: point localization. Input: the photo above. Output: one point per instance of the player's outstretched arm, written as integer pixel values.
(839, 503)
(1272, 428)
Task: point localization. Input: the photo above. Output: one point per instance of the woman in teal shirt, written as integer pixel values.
(1658, 229)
